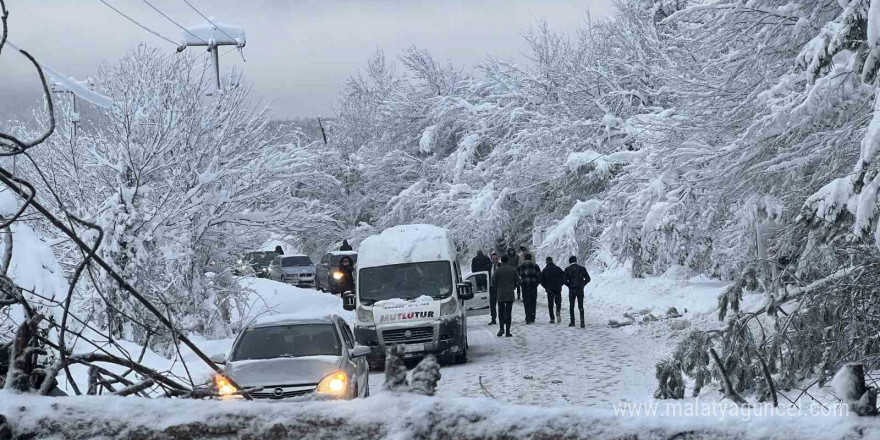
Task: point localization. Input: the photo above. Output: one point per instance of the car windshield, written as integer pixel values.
(287, 341)
(260, 257)
(405, 281)
(334, 261)
(296, 261)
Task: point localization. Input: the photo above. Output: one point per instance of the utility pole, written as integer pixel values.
(212, 35)
(60, 88)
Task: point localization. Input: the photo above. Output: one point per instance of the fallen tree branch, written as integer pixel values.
(89, 358)
(729, 391)
(137, 388)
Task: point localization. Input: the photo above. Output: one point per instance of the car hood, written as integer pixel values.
(298, 269)
(284, 371)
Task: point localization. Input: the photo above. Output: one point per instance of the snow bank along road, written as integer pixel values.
(385, 416)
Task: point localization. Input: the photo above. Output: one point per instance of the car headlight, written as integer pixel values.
(337, 275)
(223, 386)
(364, 315)
(335, 383)
(449, 307)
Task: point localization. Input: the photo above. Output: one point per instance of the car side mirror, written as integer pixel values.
(360, 351)
(349, 301)
(219, 359)
(465, 291)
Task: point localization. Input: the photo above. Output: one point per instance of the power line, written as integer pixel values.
(172, 20)
(209, 20)
(140, 25)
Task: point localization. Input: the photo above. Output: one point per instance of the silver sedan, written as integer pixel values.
(280, 358)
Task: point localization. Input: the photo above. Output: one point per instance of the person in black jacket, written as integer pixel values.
(278, 250)
(345, 246)
(346, 266)
(481, 263)
(553, 278)
(576, 278)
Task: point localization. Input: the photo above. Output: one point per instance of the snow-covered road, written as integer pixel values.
(551, 364)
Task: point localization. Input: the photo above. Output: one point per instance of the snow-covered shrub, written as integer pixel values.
(395, 369)
(425, 376)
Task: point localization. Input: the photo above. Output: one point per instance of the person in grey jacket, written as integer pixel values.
(506, 281)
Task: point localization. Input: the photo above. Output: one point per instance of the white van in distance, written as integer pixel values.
(410, 292)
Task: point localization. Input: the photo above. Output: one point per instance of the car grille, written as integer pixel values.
(270, 394)
(417, 334)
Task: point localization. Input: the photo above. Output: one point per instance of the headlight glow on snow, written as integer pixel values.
(223, 386)
(334, 383)
(337, 275)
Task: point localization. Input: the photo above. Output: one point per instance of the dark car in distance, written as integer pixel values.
(255, 263)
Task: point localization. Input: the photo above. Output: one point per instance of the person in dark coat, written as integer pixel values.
(576, 278)
(278, 250)
(505, 280)
(493, 295)
(513, 261)
(346, 266)
(345, 246)
(481, 263)
(529, 280)
(553, 278)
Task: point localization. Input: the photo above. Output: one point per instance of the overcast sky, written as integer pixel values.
(299, 52)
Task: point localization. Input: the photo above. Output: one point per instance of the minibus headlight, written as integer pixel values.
(449, 307)
(364, 315)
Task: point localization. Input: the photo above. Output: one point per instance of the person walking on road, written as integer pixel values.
(513, 261)
(345, 246)
(493, 294)
(278, 250)
(553, 278)
(505, 280)
(529, 280)
(576, 278)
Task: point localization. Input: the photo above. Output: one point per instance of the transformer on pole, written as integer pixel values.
(213, 34)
